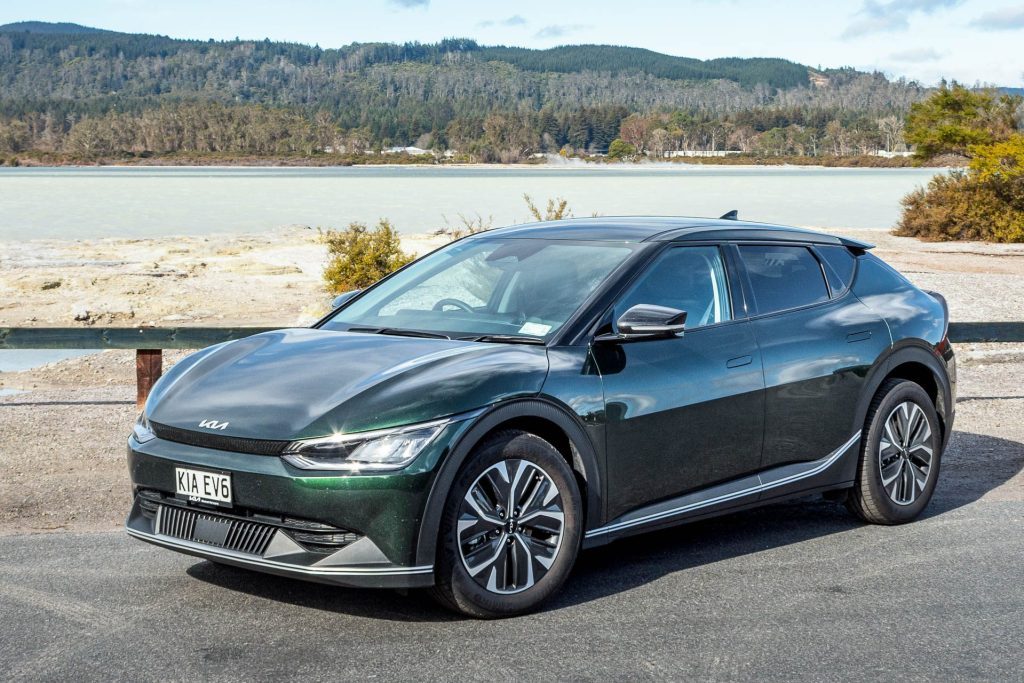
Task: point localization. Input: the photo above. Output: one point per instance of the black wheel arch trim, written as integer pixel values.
(584, 461)
(910, 351)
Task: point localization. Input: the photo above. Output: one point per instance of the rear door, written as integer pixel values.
(817, 343)
(686, 412)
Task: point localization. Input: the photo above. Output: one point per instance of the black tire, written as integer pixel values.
(539, 462)
(890, 498)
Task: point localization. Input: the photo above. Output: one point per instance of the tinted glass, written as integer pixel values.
(875, 276)
(690, 279)
(486, 286)
(783, 277)
(839, 264)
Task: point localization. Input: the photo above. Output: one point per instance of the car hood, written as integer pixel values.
(302, 383)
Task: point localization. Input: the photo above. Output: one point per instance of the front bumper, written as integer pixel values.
(383, 513)
(359, 564)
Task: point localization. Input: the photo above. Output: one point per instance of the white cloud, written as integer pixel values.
(917, 56)
(883, 17)
(558, 30)
(514, 20)
(1004, 19)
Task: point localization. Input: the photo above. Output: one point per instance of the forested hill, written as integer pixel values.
(53, 76)
(46, 41)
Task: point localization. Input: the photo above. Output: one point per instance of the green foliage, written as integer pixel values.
(1001, 161)
(777, 73)
(955, 119)
(153, 94)
(963, 206)
(557, 209)
(985, 202)
(621, 150)
(358, 256)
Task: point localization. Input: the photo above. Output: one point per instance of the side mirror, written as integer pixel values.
(343, 298)
(646, 321)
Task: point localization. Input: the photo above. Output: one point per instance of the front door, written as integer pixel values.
(686, 412)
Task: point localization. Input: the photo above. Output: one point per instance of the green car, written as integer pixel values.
(473, 421)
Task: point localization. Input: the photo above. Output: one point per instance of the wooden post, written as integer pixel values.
(148, 368)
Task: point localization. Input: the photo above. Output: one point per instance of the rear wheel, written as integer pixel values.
(900, 455)
(510, 530)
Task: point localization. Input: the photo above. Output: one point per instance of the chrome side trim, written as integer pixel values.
(815, 467)
(211, 551)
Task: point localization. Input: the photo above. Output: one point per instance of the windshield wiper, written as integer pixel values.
(399, 332)
(505, 339)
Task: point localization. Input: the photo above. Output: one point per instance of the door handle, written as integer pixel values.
(739, 361)
(858, 336)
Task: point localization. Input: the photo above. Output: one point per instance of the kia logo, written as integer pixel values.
(213, 424)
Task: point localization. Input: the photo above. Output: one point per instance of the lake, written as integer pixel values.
(90, 202)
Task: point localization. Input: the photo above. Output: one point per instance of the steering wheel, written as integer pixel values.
(458, 303)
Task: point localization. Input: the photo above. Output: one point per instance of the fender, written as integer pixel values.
(909, 351)
(583, 454)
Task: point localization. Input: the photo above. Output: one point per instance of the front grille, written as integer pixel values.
(245, 537)
(218, 442)
(250, 530)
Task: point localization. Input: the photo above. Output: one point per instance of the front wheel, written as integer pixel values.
(899, 464)
(510, 530)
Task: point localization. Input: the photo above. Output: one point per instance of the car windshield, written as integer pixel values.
(491, 289)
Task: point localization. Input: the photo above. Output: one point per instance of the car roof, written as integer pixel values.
(665, 229)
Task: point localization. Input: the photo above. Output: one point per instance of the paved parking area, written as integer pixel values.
(794, 592)
(797, 591)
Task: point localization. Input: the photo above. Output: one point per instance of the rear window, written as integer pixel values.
(839, 263)
(783, 277)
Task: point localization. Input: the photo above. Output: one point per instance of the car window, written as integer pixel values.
(839, 263)
(783, 277)
(690, 279)
(486, 286)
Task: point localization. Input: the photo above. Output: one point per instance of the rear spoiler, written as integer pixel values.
(855, 244)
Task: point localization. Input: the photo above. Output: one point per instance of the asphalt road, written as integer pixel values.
(797, 591)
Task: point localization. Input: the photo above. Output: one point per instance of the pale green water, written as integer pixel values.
(81, 203)
(84, 203)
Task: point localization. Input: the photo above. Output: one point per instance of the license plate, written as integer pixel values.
(200, 486)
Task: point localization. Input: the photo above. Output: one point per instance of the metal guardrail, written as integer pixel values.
(149, 342)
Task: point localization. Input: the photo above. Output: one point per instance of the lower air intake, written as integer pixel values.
(251, 538)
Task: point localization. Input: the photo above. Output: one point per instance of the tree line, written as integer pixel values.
(204, 127)
(106, 94)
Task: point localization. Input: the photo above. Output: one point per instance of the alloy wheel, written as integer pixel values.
(905, 453)
(510, 526)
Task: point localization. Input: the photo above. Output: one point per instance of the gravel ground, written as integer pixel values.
(274, 278)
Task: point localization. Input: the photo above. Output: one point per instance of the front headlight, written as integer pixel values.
(142, 431)
(377, 451)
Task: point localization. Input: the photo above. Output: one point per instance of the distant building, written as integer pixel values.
(671, 154)
(890, 155)
(411, 151)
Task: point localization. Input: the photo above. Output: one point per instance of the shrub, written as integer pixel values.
(620, 149)
(965, 206)
(556, 210)
(358, 256)
(469, 226)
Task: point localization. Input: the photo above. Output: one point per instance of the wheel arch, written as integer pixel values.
(916, 363)
(545, 418)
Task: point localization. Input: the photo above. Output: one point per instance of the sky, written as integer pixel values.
(973, 41)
